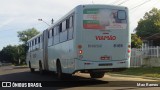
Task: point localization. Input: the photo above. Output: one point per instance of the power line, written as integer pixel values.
(155, 2)
(116, 1)
(138, 15)
(140, 4)
(123, 2)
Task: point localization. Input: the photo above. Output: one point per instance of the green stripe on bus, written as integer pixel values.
(90, 11)
(90, 22)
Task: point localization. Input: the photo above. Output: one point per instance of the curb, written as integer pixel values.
(19, 67)
(144, 77)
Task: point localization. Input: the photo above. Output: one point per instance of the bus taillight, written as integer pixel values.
(129, 50)
(80, 51)
(79, 46)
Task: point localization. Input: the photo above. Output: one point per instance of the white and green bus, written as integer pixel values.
(92, 39)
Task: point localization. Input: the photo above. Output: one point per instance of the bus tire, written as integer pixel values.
(31, 69)
(97, 74)
(40, 68)
(59, 70)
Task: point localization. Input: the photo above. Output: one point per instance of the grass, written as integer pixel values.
(142, 71)
(20, 64)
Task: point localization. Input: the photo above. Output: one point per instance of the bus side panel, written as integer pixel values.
(52, 58)
(70, 54)
(35, 56)
(64, 52)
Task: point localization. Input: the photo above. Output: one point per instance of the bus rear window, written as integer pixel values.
(121, 15)
(104, 19)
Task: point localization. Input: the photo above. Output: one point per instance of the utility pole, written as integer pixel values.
(52, 21)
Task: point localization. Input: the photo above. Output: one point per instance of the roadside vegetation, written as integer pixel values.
(142, 71)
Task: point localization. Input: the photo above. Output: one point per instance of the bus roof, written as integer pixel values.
(35, 37)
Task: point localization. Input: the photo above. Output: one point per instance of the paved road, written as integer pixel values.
(76, 82)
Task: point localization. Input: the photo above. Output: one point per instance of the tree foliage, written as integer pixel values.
(25, 35)
(17, 54)
(9, 54)
(150, 24)
(136, 41)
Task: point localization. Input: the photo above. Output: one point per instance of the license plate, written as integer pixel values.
(105, 64)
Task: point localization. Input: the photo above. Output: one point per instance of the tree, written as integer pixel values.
(21, 53)
(136, 41)
(9, 54)
(25, 35)
(17, 54)
(150, 24)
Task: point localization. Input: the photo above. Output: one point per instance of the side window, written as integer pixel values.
(52, 31)
(64, 25)
(33, 43)
(67, 23)
(56, 34)
(39, 39)
(63, 34)
(56, 30)
(71, 21)
(60, 27)
(70, 30)
(30, 44)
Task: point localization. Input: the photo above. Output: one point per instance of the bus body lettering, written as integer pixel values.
(106, 37)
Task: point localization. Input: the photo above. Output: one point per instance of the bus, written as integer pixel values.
(92, 39)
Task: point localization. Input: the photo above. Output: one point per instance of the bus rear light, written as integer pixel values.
(129, 50)
(80, 51)
(79, 46)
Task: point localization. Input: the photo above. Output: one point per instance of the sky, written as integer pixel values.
(19, 15)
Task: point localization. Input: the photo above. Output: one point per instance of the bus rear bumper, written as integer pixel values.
(102, 66)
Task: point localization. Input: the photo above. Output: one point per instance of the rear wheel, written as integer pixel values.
(31, 69)
(59, 70)
(97, 74)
